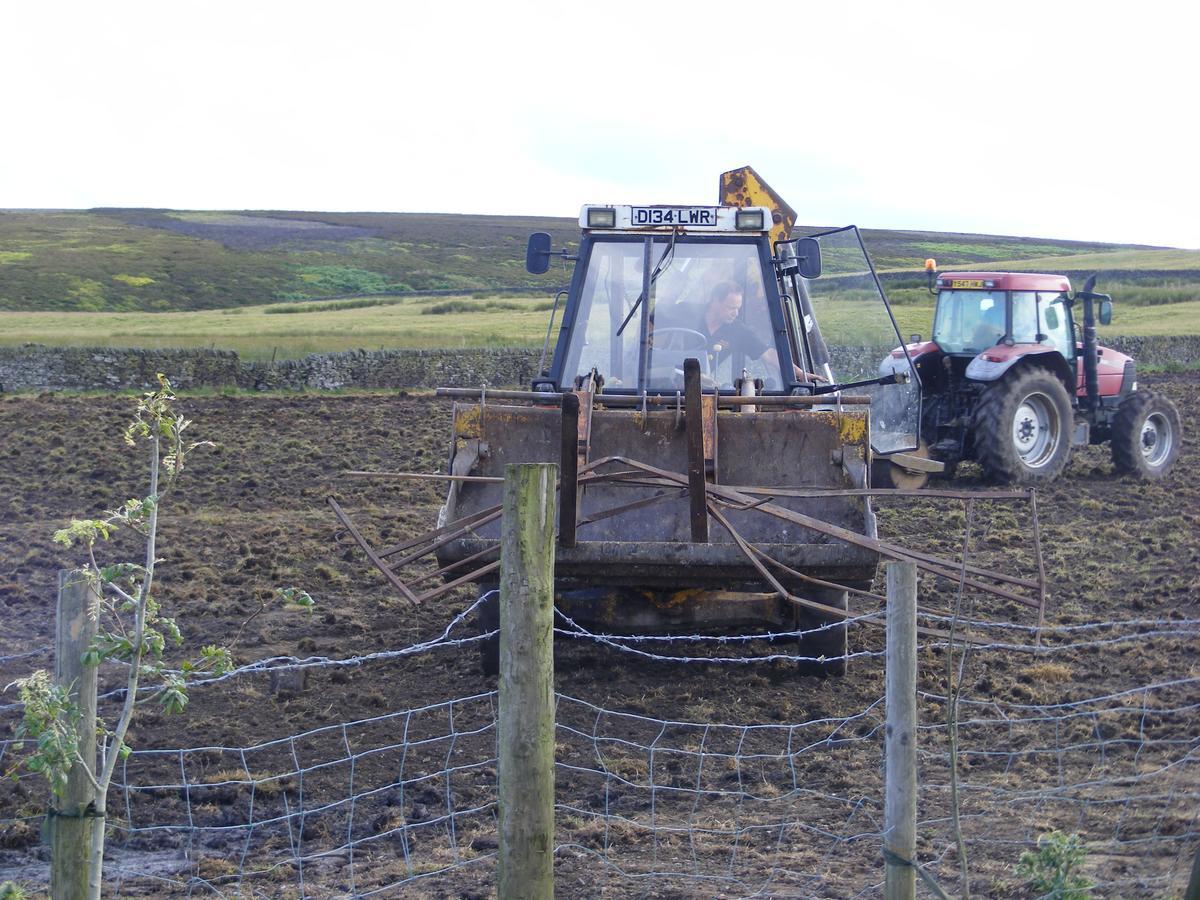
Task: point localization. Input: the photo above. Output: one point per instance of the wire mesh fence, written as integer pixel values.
(405, 803)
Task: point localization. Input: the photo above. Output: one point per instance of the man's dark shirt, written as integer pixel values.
(735, 336)
(732, 336)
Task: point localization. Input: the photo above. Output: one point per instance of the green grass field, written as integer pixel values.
(262, 333)
(265, 283)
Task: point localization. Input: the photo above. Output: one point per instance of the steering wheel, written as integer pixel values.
(683, 340)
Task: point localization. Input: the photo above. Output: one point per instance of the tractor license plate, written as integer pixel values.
(702, 216)
(966, 283)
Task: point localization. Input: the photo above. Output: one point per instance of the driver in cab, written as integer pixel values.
(725, 333)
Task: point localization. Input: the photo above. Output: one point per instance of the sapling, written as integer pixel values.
(131, 628)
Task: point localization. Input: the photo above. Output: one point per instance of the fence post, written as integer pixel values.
(900, 744)
(70, 821)
(526, 720)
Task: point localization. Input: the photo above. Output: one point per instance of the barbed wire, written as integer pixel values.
(26, 654)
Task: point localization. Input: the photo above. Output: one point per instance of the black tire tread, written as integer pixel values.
(993, 427)
(1127, 432)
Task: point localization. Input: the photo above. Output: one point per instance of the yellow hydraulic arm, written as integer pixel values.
(745, 187)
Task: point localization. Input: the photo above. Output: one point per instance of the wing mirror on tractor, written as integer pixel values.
(1103, 302)
(802, 257)
(537, 253)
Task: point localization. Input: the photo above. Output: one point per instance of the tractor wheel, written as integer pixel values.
(1023, 428)
(830, 643)
(487, 618)
(1146, 435)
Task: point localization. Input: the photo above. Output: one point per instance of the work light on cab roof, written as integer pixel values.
(701, 219)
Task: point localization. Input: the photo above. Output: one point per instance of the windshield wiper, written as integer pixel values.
(664, 263)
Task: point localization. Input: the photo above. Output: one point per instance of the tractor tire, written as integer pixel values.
(1146, 436)
(826, 649)
(1023, 428)
(487, 618)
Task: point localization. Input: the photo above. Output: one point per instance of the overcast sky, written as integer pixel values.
(1071, 120)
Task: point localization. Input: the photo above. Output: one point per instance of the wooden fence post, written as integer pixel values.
(71, 822)
(526, 720)
(900, 743)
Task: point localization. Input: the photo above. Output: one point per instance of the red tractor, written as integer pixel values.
(1010, 380)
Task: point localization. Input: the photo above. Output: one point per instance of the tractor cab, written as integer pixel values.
(656, 285)
(980, 310)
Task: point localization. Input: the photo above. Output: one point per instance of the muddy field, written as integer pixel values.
(251, 515)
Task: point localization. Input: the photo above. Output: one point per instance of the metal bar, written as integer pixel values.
(624, 507)
(820, 582)
(930, 563)
(455, 565)
(694, 423)
(747, 550)
(472, 520)
(441, 541)
(568, 509)
(881, 492)
(547, 397)
(459, 582)
(371, 554)
(636, 400)
(730, 400)
(423, 476)
(747, 489)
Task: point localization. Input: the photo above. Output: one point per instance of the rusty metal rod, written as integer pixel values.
(799, 492)
(444, 537)
(455, 565)
(371, 554)
(933, 564)
(459, 582)
(820, 582)
(734, 497)
(568, 468)
(744, 546)
(430, 535)
(424, 476)
(547, 397)
(626, 507)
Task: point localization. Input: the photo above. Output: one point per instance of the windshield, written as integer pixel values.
(859, 334)
(708, 301)
(969, 321)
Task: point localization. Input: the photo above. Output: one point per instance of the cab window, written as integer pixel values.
(1055, 323)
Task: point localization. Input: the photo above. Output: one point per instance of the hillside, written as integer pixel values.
(160, 260)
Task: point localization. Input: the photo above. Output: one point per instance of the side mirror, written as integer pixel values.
(914, 338)
(537, 253)
(808, 256)
(1104, 313)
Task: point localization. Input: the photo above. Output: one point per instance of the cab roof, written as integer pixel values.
(1003, 281)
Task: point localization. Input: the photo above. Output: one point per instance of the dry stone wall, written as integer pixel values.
(34, 367)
